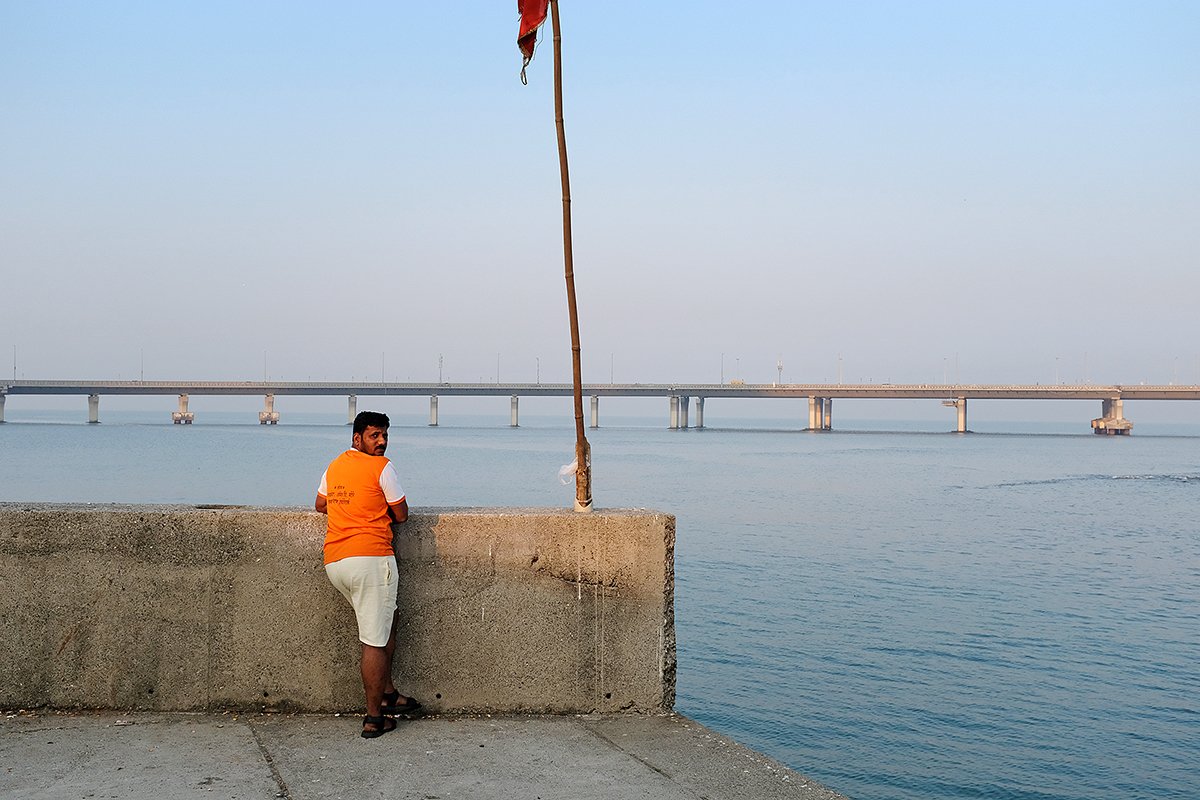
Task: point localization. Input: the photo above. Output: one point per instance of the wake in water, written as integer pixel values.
(1168, 478)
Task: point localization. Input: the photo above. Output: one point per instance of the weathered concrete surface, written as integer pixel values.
(181, 608)
(147, 756)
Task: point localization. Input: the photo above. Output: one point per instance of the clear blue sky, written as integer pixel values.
(1013, 187)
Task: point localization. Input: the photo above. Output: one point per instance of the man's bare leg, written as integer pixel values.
(375, 676)
(391, 694)
(390, 648)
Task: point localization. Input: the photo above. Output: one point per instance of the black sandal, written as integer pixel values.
(390, 700)
(382, 725)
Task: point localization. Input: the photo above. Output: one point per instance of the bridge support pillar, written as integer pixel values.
(827, 416)
(268, 416)
(2, 396)
(351, 408)
(1112, 419)
(816, 413)
(699, 412)
(959, 403)
(433, 422)
(595, 411)
(182, 416)
(683, 411)
(674, 399)
(512, 423)
(93, 408)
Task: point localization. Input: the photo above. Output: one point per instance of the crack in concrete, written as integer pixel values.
(579, 580)
(284, 791)
(632, 755)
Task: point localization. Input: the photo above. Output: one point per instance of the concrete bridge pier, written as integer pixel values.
(512, 420)
(595, 411)
(2, 396)
(827, 416)
(93, 409)
(182, 416)
(674, 400)
(959, 403)
(699, 412)
(268, 416)
(433, 422)
(351, 408)
(816, 413)
(683, 411)
(1112, 418)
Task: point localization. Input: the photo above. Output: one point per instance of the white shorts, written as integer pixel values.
(370, 583)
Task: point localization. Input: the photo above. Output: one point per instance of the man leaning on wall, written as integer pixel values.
(360, 493)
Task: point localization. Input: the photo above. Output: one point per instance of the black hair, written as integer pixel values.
(370, 419)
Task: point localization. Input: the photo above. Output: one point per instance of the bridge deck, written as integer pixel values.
(792, 390)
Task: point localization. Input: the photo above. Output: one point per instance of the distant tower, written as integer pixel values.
(779, 368)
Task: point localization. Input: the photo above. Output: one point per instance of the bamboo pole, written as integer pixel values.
(583, 451)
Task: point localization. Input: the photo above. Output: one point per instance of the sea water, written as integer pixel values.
(895, 613)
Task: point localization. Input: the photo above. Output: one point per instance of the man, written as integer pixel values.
(361, 494)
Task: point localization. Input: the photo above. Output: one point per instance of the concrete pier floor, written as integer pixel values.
(104, 754)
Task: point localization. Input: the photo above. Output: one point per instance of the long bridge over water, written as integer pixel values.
(681, 397)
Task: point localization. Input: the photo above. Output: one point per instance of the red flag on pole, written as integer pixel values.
(533, 14)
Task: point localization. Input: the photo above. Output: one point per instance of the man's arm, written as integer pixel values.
(389, 482)
(322, 504)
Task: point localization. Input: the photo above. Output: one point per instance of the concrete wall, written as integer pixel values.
(181, 607)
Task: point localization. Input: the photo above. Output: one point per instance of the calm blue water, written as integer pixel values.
(897, 614)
